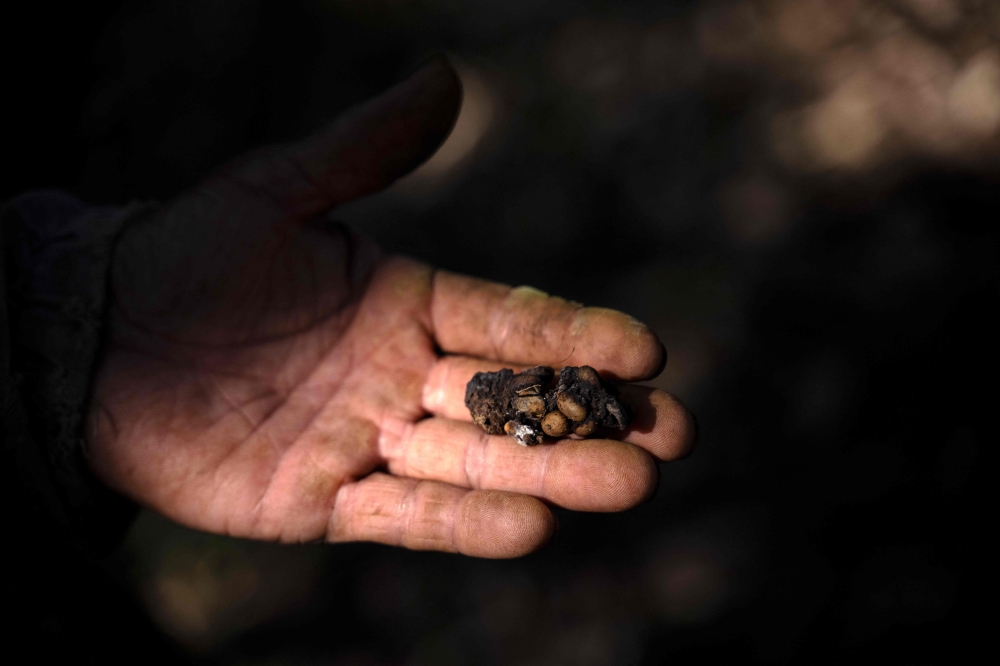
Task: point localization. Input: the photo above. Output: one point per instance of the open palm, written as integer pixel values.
(270, 374)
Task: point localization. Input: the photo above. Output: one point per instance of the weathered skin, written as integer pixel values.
(272, 375)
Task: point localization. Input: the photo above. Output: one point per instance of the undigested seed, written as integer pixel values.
(569, 406)
(555, 424)
(528, 406)
(533, 405)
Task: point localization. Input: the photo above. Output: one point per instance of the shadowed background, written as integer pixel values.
(798, 195)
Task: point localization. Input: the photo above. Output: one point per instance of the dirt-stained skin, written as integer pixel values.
(271, 374)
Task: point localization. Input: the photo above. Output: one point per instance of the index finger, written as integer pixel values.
(527, 326)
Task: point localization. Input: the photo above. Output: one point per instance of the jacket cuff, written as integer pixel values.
(56, 257)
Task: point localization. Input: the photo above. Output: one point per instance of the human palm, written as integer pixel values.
(271, 374)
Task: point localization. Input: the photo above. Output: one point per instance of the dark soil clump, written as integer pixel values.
(527, 406)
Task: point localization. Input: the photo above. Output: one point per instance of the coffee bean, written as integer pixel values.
(555, 424)
(530, 405)
(569, 406)
(589, 375)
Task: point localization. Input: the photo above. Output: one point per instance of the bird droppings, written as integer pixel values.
(532, 404)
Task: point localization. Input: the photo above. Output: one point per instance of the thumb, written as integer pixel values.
(365, 150)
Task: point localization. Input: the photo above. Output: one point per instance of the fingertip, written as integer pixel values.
(695, 434)
(372, 145)
(437, 75)
(639, 478)
(662, 365)
(680, 429)
(619, 345)
(650, 352)
(601, 475)
(663, 426)
(496, 524)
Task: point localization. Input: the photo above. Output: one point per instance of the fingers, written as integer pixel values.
(584, 475)
(444, 391)
(363, 151)
(524, 325)
(424, 515)
(662, 425)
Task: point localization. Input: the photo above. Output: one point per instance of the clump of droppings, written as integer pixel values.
(529, 405)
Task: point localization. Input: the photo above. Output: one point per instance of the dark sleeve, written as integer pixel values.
(56, 254)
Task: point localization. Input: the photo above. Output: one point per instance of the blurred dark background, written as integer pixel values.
(799, 196)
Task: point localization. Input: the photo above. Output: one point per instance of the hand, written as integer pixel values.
(270, 374)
